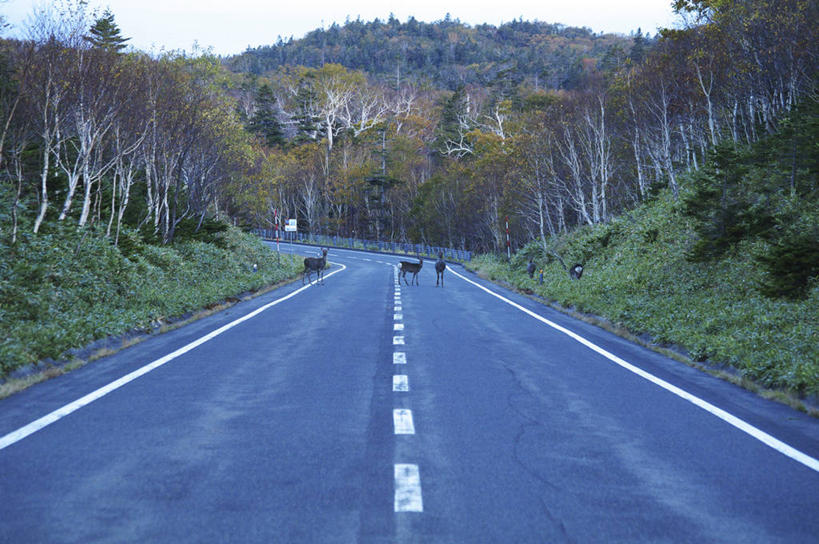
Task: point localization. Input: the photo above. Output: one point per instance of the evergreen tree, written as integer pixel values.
(305, 116)
(718, 204)
(638, 48)
(264, 121)
(105, 34)
(451, 125)
(791, 264)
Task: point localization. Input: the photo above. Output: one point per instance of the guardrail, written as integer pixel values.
(403, 248)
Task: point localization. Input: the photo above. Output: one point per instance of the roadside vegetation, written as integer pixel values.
(728, 271)
(67, 287)
(714, 312)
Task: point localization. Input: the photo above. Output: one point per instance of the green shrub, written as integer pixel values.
(67, 287)
(711, 309)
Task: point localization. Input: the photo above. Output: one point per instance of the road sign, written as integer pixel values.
(290, 226)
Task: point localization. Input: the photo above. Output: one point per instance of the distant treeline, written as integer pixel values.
(446, 53)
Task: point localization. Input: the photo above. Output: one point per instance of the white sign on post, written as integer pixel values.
(290, 226)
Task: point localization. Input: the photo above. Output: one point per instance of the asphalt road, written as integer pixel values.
(359, 411)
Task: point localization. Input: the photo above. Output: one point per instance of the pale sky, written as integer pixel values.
(230, 26)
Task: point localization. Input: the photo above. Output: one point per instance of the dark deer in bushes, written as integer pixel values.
(316, 264)
(575, 272)
(412, 268)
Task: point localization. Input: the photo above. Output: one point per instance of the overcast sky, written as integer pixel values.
(230, 26)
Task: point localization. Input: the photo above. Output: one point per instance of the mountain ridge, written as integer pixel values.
(446, 53)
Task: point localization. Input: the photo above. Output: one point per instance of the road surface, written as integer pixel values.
(362, 410)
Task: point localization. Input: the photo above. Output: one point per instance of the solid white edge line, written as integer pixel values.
(408, 488)
(729, 418)
(48, 419)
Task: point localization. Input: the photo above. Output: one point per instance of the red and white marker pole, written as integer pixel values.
(276, 226)
(508, 243)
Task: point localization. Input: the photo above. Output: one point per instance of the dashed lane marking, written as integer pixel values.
(400, 383)
(408, 489)
(399, 358)
(402, 421)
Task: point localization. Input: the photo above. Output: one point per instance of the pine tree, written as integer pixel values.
(716, 205)
(638, 48)
(105, 34)
(791, 265)
(451, 125)
(305, 116)
(264, 121)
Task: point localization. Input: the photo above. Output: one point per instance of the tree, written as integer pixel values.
(638, 48)
(264, 120)
(452, 138)
(721, 202)
(105, 34)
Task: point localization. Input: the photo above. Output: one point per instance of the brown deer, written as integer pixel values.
(413, 268)
(440, 266)
(317, 264)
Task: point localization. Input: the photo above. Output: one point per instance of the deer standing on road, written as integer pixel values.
(440, 266)
(413, 268)
(317, 264)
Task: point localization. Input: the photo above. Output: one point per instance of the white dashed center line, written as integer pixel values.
(400, 383)
(402, 421)
(408, 489)
(407, 476)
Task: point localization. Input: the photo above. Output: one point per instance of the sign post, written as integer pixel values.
(290, 226)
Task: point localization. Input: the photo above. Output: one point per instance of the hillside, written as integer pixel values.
(712, 311)
(65, 288)
(445, 53)
(727, 271)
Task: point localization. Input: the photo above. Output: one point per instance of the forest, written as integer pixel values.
(434, 133)
(445, 54)
(107, 138)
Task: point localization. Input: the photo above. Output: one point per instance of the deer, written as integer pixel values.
(575, 272)
(317, 264)
(440, 266)
(414, 268)
(530, 268)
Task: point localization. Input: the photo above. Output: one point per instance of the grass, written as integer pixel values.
(64, 289)
(712, 315)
